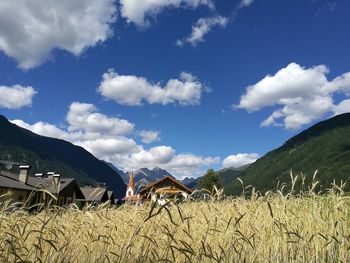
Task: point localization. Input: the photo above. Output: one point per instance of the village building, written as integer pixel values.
(94, 195)
(40, 189)
(130, 189)
(166, 188)
(130, 195)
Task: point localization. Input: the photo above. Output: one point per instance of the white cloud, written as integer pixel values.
(241, 5)
(107, 146)
(202, 27)
(155, 155)
(303, 94)
(149, 136)
(132, 90)
(16, 97)
(31, 30)
(46, 129)
(188, 164)
(239, 160)
(109, 142)
(342, 107)
(245, 3)
(94, 131)
(140, 12)
(82, 116)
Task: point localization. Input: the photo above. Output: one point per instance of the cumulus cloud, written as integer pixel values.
(109, 141)
(302, 95)
(202, 27)
(342, 107)
(90, 129)
(31, 30)
(188, 164)
(82, 116)
(16, 97)
(47, 129)
(159, 154)
(149, 136)
(132, 90)
(239, 160)
(140, 12)
(110, 146)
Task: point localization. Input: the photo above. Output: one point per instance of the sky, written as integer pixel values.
(184, 85)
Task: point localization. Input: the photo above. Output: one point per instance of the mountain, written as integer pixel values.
(143, 176)
(324, 147)
(49, 154)
(190, 182)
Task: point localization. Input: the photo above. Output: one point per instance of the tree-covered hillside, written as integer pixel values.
(324, 147)
(48, 154)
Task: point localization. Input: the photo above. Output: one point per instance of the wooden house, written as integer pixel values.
(166, 188)
(31, 190)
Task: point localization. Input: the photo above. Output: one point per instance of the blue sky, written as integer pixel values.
(180, 84)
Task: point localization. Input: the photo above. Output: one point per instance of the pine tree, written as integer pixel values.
(210, 179)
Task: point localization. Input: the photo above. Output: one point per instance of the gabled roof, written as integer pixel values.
(154, 185)
(94, 194)
(9, 180)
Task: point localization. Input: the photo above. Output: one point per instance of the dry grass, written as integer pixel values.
(273, 228)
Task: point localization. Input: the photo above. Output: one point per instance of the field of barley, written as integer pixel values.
(271, 228)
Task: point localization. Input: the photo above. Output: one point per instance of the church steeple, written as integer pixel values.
(130, 189)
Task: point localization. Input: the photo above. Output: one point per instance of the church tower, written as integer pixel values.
(130, 189)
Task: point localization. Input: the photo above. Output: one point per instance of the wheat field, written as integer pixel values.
(270, 228)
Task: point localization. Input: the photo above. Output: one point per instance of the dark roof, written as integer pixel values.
(152, 185)
(93, 194)
(9, 180)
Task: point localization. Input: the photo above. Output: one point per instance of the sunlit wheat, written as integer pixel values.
(269, 228)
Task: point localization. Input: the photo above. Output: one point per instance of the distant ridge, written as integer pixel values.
(142, 175)
(50, 154)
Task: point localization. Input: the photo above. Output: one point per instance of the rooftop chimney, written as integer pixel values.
(39, 175)
(24, 173)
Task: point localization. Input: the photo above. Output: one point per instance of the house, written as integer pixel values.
(39, 189)
(94, 195)
(165, 188)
